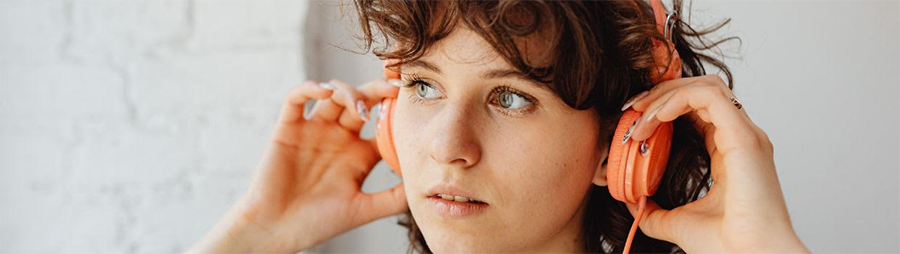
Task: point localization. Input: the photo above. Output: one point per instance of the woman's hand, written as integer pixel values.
(744, 211)
(307, 188)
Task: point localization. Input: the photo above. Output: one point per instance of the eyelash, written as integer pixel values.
(416, 80)
(413, 81)
(495, 93)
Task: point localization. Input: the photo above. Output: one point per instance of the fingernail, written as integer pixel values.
(652, 114)
(634, 99)
(326, 85)
(395, 82)
(362, 111)
(630, 131)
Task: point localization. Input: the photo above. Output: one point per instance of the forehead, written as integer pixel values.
(465, 46)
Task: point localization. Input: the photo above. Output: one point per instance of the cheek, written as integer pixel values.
(544, 172)
(407, 123)
(549, 167)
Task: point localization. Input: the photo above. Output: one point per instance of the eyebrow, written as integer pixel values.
(490, 74)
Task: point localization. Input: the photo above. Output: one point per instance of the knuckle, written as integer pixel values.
(698, 89)
(344, 91)
(714, 79)
(765, 142)
(711, 90)
(340, 85)
(752, 140)
(712, 84)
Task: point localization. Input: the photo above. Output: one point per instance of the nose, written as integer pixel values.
(455, 142)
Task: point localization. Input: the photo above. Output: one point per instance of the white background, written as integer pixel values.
(132, 126)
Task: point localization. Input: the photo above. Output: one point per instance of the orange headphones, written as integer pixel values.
(634, 169)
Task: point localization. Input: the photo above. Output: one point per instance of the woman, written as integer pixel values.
(509, 107)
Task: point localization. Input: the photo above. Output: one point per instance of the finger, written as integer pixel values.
(292, 110)
(642, 104)
(383, 204)
(732, 127)
(378, 90)
(656, 222)
(343, 98)
(372, 93)
(352, 121)
(326, 110)
(649, 123)
(646, 124)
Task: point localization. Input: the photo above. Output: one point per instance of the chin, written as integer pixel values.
(449, 241)
(465, 235)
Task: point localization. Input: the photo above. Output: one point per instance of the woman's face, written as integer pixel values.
(470, 127)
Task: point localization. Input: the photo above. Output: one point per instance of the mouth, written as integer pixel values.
(455, 198)
(452, 202)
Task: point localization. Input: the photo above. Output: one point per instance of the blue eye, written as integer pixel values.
(510, 100)
(425, 90)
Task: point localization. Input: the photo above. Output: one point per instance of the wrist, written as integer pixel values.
(237, 231)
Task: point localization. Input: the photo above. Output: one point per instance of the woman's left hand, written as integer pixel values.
(744, 210)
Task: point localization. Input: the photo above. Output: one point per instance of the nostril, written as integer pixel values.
(459, 161)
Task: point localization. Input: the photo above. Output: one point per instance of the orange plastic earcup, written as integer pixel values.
(631, 174)
(615, 172)
(384, 136)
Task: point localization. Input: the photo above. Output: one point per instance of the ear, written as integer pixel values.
(600, 172)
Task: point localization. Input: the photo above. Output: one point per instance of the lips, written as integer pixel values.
(452, 202)
(453, 193)
(460, 199)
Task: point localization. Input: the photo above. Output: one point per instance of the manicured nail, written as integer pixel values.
(395, 82)
(630, 131)
(326, 86)
(652, 114)
(362, 111)
(634, 99)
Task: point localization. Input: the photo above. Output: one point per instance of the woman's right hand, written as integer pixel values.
(307, 188)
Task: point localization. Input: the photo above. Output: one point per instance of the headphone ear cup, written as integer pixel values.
(384, 137)
(651, 165)
(631, 174)
(618, 155)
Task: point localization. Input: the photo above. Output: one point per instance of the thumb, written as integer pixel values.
(382, 204)
(656, 222)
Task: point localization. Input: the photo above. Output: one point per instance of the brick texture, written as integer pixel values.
(131, 126)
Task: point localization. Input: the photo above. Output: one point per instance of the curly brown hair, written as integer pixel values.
(601, 56)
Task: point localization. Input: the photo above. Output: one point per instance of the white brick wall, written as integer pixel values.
(131, 126)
